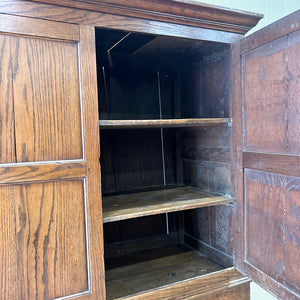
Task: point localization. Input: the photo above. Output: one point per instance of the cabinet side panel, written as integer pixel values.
(47, 101)
(7, 138)
(43, 241)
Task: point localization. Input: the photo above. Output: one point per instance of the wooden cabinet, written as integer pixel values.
(198, 190)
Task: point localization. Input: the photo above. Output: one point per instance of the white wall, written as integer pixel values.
(272, 11)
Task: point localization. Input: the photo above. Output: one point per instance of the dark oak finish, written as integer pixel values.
(272, 69)
(156, 202)
(275, 163)
(237, 157)
(268, 121)
(163, 123)
(272, 211)
(182, 12)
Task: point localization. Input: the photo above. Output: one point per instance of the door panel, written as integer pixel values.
(44, 226)
(51, 236)
(46, 100)
(267, 146)
(271, 97)
(272, 218)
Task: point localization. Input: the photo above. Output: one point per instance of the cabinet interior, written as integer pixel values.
(165, 134)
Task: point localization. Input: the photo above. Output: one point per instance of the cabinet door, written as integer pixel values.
(267, 163)
(50, 203)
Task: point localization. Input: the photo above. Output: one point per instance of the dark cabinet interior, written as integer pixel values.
(165, 135)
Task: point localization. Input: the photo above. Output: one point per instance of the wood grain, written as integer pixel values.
(92, 153)
(269, 284)
(12, 174)
(108, 20)
(47, 100)
(189, 13)
(293, 92)
(43, 241)
(38, 28)
(164, 123)
(272, 210)
(271, 109)
(275, 163)
(236, 161)
(270, 112)
(196, 287)
(264, 98)
(7, 132)
(156, 202)
(156, 272)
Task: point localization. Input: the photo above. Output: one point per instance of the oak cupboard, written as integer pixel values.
(199, 189)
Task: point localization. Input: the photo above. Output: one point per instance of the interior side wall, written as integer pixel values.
(206, 161)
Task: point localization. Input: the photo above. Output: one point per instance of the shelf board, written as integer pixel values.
(154, 269)
(127, 206)
(163, 123)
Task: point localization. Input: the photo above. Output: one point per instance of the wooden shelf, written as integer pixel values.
(154, 269)
(163, 123)
(127, 206)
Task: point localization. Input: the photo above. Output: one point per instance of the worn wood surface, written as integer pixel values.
(92, 153)
(134, 229)
(270, 112)
(189, 13)
(43, 240)
(50, 211)
(206, 165)
(236, 157)
(210, 251)
(271, 109)
(108, 20)
(7, 133)
(41, 28)
(126, 206)
(280, 164)
(142, 167)
(272, 211)
(236, 291)
(138, 245)
(215, 93)
(46, 100)
(41, 172)
(156, 272)
(117, 124)
(218, 282)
